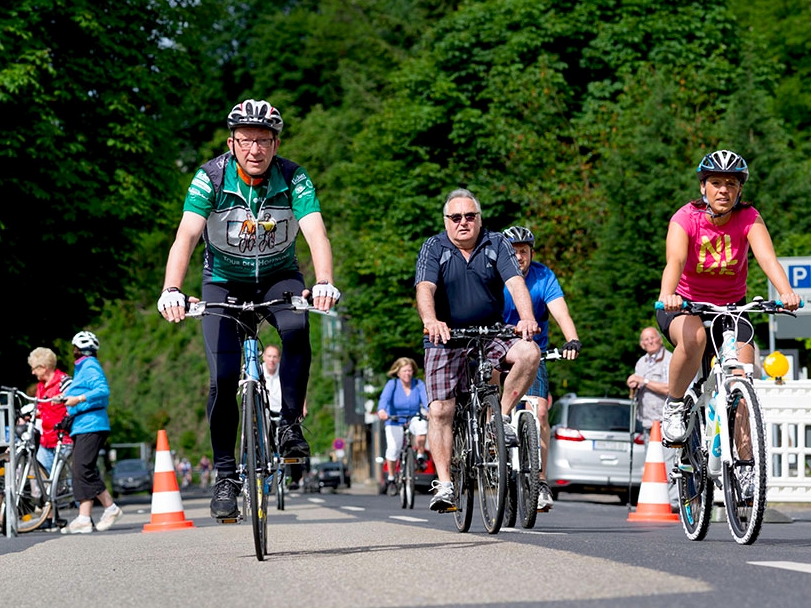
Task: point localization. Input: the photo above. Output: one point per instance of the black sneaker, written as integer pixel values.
(224, 503)
(291, 441)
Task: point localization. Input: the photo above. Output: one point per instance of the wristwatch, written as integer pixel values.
(645, 383)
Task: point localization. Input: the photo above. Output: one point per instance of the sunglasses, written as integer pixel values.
(457, 217)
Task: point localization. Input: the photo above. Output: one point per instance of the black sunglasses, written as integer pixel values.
(457, 217)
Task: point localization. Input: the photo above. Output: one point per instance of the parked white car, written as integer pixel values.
(589, 451)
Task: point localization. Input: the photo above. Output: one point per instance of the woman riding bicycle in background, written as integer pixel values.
(708, 240)
(403, 397)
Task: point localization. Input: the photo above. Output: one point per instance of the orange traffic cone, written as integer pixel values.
(654, 503)
(167, 508)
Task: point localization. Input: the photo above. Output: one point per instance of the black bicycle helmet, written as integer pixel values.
(723, 162)
(255, 113)
(519, 234)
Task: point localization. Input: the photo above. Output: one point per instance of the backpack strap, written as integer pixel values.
(215, 169)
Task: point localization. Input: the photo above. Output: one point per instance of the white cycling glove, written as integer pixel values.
(170, 297)
(327, 290)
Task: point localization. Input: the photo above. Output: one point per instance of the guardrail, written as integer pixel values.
(8, 422)
(787, 416)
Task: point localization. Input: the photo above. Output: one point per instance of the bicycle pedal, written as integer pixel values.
(543, 510)
(452, 509)
(293, 460)
(672, 444)
(229, 520)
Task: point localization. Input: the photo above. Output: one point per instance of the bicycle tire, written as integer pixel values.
(511, 508)
(31, 493)
(492, 468)
(529, 461)
(407, 472)
(745, 513)
(61, 490)
(461, 475)
(695, 487)
(255, 469)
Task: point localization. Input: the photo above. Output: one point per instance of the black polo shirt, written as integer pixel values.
(469, 292)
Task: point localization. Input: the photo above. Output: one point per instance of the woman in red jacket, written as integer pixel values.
(51, 382)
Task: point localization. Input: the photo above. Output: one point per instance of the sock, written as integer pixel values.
(83, 519)
(111, 509)
(391, 478)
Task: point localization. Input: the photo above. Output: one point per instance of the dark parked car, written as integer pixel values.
(589, 450)
(332, 475)
(131, 476)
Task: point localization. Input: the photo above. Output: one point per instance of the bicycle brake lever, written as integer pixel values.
(299, 304)
(196, 309)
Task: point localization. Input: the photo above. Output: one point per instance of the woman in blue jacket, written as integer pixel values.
(87, 399)
(403, 397)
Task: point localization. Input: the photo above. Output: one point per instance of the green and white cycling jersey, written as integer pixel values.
(250, 230)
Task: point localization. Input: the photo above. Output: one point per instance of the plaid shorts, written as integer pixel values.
(446, 374)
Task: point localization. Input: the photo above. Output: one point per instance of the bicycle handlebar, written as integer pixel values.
(758, 304)
(495, 331)
(295, 303)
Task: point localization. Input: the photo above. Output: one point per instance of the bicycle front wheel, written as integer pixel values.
(256, 466)
(407, 472)
(745, 476)
(461, 476)
(695, 487)
(62, 489)
(529, 461)
(492, 468)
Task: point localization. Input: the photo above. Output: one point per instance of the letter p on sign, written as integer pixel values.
(799, 277)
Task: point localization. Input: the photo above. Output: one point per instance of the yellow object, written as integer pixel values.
(776, 364)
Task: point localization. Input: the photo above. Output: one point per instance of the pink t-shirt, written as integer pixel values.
(717, 258)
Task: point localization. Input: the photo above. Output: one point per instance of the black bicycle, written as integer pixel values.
(479, 453)
(260, 463)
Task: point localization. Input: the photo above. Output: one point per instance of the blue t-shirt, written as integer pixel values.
(543, 287)
(395, 402)
(469, 292)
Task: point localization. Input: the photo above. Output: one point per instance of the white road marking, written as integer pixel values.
(407, 518)
(353, 508)
(537, 532)
(796, 566)
(317, 500)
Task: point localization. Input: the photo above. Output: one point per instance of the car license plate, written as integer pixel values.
(611, 446)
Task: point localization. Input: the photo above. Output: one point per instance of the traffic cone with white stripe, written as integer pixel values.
(167, 507)
(654, 503)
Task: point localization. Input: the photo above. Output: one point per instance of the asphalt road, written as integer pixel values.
(359, 549)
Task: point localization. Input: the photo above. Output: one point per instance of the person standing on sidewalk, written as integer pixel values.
(86, 400)
(648, 385)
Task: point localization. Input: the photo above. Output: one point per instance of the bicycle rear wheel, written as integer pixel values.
(695, 487)
(492, 469)
(407, 472)
(745, 477)
(32, 508)
(528, 458)
(256, 466)
(461, 475)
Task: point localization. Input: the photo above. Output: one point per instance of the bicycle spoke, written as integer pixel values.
(695, 488)
(461, 475)
(745, 477)
(492, 468)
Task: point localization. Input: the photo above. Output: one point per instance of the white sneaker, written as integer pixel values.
(443, 498)
(108, 519)
(674, 427)
(545, 502)
(75, 527)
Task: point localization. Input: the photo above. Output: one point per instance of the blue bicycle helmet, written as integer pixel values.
(723, 162)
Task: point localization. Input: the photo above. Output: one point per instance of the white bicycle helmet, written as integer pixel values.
(87, 342)
(724, 162)
(255, 113)
(519, 234)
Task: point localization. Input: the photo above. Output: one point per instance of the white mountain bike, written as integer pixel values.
(725, 445)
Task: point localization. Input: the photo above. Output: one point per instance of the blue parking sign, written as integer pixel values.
(800, 276)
